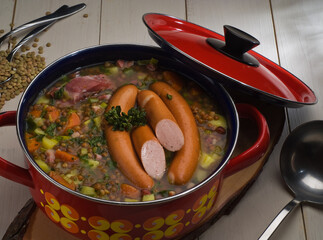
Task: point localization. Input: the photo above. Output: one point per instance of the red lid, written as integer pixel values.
(230, 61)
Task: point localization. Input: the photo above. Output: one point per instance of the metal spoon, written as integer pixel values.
(301, 166)
(62, 11)
(45, 19)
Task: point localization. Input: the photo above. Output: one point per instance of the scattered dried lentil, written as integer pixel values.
(48, 44)
(23, 68)
(34, 45)
(36, 40)
(85, 15)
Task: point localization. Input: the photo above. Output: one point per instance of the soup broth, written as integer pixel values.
(65, 130)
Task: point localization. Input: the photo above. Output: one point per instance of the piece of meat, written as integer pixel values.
(50, 155)
(80, 87)
(124, 64)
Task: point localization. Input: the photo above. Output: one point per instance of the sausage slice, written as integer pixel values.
(150, 151)
(161, 120)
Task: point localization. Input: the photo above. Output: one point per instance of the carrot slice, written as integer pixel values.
(35, 113)
(73, 121)
(130, 191)
(53, 113)
(65, 156)
(58, 178)
(32, 143)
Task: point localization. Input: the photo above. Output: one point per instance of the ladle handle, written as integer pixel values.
(278, 219)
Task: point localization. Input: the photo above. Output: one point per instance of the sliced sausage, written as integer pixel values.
(119, 142)
(161, 120)
(185, 160)
(150, 151)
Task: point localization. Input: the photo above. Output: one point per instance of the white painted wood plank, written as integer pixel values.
(299, 27)
(7, 9)
(268, 195)
(122, 19)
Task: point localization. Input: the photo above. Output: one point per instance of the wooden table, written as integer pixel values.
(291, 34)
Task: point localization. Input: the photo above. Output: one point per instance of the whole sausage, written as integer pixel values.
(161, 120)
(119, 142)
(150, 151)
(185, 160)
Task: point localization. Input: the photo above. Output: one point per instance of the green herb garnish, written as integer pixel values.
(170, 97)
(95, 140)
(50, 129)
(69, 132)
(164, 193)
(59, 93)
(31, 125)
(125, 122)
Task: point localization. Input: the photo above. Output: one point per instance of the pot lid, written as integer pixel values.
(228, 59)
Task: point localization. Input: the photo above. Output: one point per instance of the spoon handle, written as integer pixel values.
(33, 33)
(278, 219)
(45, 19)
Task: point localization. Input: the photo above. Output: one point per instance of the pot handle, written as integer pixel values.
(258, 149)
(7, 169)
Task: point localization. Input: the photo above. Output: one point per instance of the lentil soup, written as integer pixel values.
(65, 130)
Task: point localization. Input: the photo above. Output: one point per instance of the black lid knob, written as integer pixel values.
(237, 44)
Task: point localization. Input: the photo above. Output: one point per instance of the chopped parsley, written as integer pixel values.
(50, 129)
(125, 122)
(59, 93)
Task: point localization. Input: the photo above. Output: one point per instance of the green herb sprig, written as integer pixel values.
(125, 122)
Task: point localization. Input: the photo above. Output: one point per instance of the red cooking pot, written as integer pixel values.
(91, 218)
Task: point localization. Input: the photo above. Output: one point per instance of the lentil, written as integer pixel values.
(23, 69)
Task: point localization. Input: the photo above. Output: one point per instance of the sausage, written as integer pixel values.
(150, 151)
(174, 80)
(119, 142)
(185, 160)
(161, 120)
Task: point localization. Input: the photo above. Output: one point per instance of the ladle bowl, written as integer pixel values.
(301, 166)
